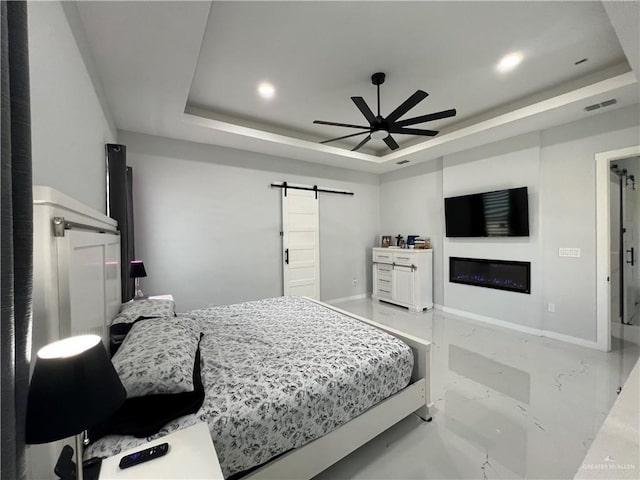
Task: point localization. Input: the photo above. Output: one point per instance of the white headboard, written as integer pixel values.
(76, 278)
(76, 270)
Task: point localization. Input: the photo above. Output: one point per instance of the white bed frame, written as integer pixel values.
(314, 457)
(77, 290)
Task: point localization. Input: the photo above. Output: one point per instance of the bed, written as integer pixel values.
(292, 385)
(278, 374)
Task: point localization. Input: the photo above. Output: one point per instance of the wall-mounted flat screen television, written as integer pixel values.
(503, 213)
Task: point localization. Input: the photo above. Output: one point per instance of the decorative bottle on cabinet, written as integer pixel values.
(403, 277)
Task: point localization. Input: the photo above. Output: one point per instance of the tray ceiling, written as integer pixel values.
(319, 54)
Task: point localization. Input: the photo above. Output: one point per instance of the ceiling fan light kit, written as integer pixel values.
(381, 128)
(379, 134)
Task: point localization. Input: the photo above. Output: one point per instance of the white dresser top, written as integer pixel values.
(402, 250)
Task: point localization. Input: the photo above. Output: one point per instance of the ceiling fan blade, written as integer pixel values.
(391, 143)
(346, 136)
(407, 105)
(427, 118)
(321, 122)
(364, 108)
(357, 147)
(413, 131)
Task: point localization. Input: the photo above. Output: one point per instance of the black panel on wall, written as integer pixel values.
(120, 208)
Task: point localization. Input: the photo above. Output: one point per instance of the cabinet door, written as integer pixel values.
(403, 283)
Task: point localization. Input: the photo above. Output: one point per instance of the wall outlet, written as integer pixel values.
(552, 307)
(355, 281)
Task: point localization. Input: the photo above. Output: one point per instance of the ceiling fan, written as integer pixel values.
(380, 127)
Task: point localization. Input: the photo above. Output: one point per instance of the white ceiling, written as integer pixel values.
(189, 70)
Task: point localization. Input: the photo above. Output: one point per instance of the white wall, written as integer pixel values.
(411, 204)
(568, 215)
(207, 222)
(558, 166)
(69, 126)
(507, 164)
(227, 189)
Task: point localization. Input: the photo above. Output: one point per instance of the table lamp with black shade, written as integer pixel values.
(137, 271)
(73, 388)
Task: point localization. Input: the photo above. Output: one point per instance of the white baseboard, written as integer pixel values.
(494, 321)
(438, 307)
(569, 339)
(524, 329)
(347, 299)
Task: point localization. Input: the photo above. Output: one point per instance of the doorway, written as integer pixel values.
(617, 235)
(625, 232)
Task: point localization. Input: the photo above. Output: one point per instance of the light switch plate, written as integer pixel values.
(568, 252)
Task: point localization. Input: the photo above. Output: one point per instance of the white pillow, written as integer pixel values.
(148, 308)
(158, 356)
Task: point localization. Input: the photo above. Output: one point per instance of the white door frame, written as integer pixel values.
(603, 225)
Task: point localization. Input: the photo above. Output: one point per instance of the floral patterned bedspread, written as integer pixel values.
(279, 373)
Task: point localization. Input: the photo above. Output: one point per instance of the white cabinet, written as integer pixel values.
(403, 277)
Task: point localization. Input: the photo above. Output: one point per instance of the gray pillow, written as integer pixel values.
(147, 308)
(157, 356)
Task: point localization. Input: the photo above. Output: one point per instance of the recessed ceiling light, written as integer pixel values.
(266, 90)
(509, 62)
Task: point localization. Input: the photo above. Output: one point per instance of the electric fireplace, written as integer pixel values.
(499, 274)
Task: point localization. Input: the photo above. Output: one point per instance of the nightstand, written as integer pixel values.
(191, 456)
(161, 297)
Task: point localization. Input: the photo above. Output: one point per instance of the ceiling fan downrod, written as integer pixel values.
(378, 79)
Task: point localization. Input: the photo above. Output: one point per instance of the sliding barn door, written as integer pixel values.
(301, 243)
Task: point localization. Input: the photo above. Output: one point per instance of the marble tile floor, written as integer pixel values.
(507, 405)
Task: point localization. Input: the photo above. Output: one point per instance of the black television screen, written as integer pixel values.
(503, 213)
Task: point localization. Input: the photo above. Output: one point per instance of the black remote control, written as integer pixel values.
(144, 455)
